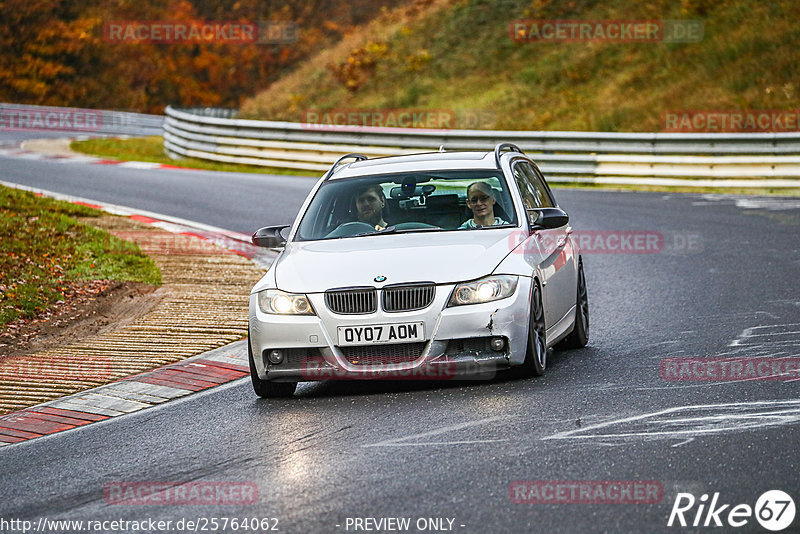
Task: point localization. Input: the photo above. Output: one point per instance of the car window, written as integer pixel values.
(532, 187)
(540, 183)
(528, 198)
(436, 201)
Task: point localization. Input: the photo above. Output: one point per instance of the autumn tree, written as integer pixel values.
(53, 52)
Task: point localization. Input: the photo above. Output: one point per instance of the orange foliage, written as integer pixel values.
(53, 52)
(359, 65)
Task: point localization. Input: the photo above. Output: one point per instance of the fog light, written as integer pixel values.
(275, 356)
(497, 343)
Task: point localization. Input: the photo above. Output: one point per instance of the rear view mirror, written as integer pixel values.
(547, 218)
(269, 236)
(416, 191)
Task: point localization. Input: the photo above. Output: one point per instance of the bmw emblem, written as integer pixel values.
(380, 278)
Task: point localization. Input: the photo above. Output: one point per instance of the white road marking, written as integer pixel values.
(76, 159)
(764, 344)
(757, 331)
(139, 165)
(73, 404)
(683, 442)
(776, 334)
(738, 341)
(99, 400)
(762, 327)
(134, 386)
(704, 384)
(749, 202)
(751, 352)
(130, 395)
(772, 204)
(720, 418)
(240, 359)
(398, 442)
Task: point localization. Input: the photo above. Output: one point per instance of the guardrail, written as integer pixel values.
(703, 160)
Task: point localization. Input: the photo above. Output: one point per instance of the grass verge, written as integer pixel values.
(44, 249)
(151, 149)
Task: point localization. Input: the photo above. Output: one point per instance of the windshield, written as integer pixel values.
(408, 202)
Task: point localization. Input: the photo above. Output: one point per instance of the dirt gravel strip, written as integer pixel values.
(203, 306)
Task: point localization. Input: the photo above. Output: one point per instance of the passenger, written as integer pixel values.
(481, 200)
(370, 202)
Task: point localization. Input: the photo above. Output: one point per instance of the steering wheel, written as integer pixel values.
(349, 229)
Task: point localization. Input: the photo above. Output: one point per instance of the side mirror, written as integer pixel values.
(547, 218)
(269, 236)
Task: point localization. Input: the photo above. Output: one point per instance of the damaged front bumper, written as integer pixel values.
(457, 345)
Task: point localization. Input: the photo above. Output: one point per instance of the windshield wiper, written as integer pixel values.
(409, 230)
(394, 230)
(491, 226)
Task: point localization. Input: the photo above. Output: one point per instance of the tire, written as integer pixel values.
(267, 388)
(579, 336)
(536, 354)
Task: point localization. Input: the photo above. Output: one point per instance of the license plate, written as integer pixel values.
(380, 334)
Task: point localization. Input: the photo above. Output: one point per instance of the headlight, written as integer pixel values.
(279, 302)
(484, 290)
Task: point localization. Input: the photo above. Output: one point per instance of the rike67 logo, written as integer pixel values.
(774, 510)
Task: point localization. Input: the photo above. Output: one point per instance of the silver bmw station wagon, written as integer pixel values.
(424, 266)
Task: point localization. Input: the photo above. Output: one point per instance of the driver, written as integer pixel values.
(370, 201)
(480, 199)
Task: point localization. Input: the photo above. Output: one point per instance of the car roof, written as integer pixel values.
(429, 161)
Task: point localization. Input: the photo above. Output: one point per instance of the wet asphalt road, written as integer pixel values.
(723, 285)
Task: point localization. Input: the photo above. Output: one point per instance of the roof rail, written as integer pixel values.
(359, 157)
(499, 148)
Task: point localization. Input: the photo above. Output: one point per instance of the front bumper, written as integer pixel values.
(455, 344)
